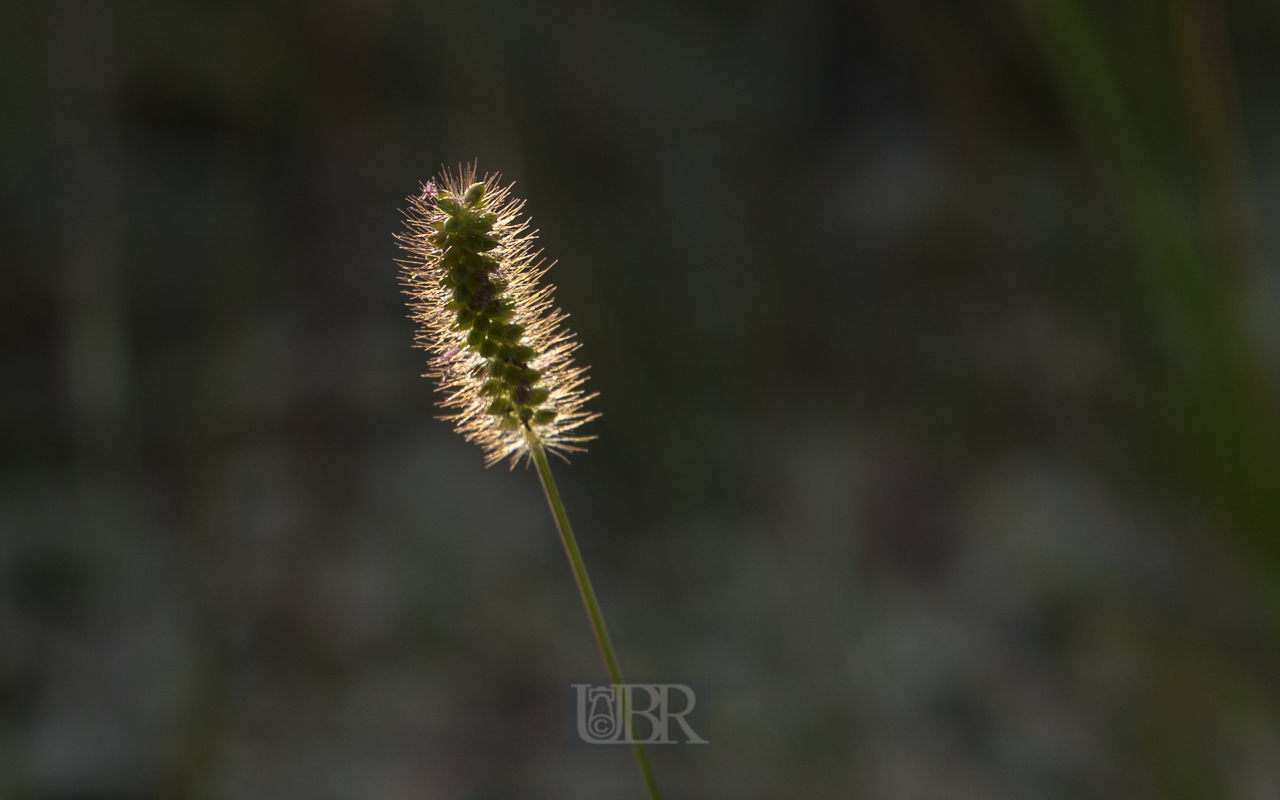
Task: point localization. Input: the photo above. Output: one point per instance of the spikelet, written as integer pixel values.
(498, 351)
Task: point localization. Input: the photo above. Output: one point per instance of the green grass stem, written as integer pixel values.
(589, 600)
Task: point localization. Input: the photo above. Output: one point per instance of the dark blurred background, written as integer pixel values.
(936, 344)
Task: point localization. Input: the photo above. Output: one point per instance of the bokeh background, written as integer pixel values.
(936, 345)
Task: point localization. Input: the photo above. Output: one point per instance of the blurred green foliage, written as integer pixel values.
(936, 343)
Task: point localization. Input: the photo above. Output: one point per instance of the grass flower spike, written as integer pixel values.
(499, 352)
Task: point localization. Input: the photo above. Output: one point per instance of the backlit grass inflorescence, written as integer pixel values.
(498, 350)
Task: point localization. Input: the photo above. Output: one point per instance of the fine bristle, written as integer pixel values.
(497, 347)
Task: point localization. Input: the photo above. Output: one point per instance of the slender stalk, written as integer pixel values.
(589, 600)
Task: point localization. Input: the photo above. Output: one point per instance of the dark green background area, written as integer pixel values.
(936, 345)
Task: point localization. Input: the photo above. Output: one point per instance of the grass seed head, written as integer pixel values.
(498, 350)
